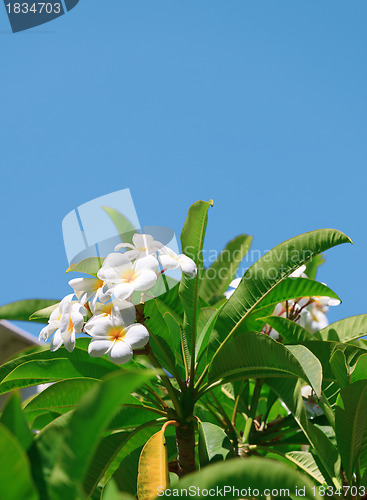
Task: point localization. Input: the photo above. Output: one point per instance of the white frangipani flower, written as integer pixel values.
(170, 260)
(143, 245)
(116, 334)
(92, 289)
(233, 284)
(299, 273)
(312, 408)
(313, 318)
(124, 277)
(65, 322)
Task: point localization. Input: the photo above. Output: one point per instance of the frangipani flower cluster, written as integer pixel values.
(309, 312)
(103, 307)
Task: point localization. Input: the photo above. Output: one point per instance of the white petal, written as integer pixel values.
(56, 341)
(45, 333)
(187, 265)
(126, 311)
(98, 326)
(83, 284)
(114, 267)
(66, 301)
(274, 334)
(99, 347)
(234, 283)
(69, 341)
(142, 241)
(123, 245)
(136, 336)
(298, 272)
(77, 320)
(333, 302)
(55, 315)
(303, 301)
(132, 254)
(123, 290)
(146, 263)
(120, 352)
(168, 262)
(168, 251)
(110, 274)
(145, 280)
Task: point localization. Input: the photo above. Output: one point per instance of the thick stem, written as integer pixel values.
(185, 442)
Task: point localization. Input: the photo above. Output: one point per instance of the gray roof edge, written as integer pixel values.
(20, 332)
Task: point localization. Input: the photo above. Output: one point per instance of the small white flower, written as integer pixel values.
(143, 245)
(233, 284)
(312, 408)
(170, 260)
(299, 273)
(92, 289)
(313, 318)
(116, 334)
(65, 322)
(124, 277)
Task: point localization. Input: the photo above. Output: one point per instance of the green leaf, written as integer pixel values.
(45, 366)
(218, 276)
(339, 367)
(214, 444)
(108, 450)
(90, 265)
(359, 370)
(13, 418)
(324, 350)
(291, 332)
(44, 451)
(254, 355)
(124, 468)
(256, 473)
(313, 265)
(165, 338)
(192, 241)
(351, 426)
(305, 461)
(111, 492)
(61, 396)
(295, 288)
(327, 457)
(86, 428)
(310, 365)
(263, 276)
(43, 315)
(205, 329)
(122, 223)
(21, 310)
(345, 329)
(15, 477)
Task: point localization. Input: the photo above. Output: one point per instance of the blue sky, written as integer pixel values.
(260, 105)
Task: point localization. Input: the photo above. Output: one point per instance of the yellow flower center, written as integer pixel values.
(129, 276)
(98, 284)
(71, 326)
(116, 333)
(107, 308)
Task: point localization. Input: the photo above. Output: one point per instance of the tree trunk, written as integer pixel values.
(185, 441)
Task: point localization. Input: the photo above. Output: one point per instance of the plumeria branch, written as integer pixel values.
(166, 382)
